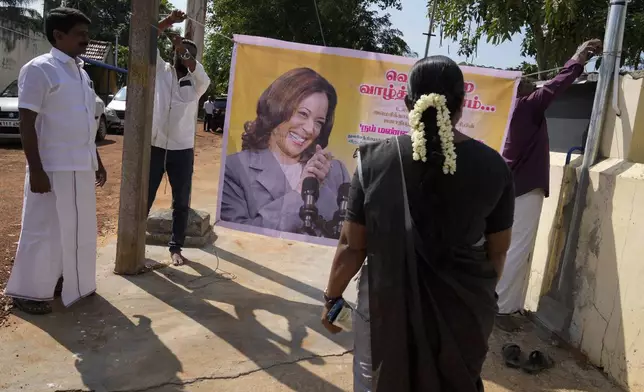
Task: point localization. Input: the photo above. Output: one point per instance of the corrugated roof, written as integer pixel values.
(591, 77)
(98, 50)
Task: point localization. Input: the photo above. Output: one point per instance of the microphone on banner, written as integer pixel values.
(309, 211)
(343, 204)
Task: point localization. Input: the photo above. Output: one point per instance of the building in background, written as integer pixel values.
(19, 43)
(98, 55)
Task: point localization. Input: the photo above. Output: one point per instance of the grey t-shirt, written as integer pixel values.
(477, 200)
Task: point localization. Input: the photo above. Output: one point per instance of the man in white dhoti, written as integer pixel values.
(527, 153)
(58, 130)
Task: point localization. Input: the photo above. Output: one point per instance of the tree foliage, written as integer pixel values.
(353, 24)
(109, 17)
(553, 28)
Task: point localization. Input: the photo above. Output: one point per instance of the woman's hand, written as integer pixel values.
(319, 165)
(325, 321)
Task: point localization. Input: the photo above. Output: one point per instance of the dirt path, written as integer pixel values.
(12, 167)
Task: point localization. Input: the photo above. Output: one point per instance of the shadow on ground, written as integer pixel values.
(194, 297)
(111, 351)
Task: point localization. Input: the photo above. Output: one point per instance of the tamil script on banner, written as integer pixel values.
(297, 111)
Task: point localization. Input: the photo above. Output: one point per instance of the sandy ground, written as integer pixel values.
(12, 167)
(571, 373)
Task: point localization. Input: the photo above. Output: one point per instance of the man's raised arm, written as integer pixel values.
(543, 97)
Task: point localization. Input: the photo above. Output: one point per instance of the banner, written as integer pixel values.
(289, 103)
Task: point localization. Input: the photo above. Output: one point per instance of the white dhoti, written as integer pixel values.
(58, 239)
(513, 286)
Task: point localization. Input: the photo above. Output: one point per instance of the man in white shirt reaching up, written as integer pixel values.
(58, 131)
(179, 87)
(209, 111)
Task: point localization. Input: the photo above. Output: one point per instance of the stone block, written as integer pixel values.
(162, 239)
(160, 223)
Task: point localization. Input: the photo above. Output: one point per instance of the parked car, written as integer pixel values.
(219, 116)
(10, 117)
(115, 112)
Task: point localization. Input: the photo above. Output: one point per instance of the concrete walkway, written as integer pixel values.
(243, 316)
(174, 327)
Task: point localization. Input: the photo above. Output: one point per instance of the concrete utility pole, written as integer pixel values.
(196, 31)
(130, 249)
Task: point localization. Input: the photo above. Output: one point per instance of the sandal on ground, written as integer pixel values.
(537, 362)
(512, 356)
(32, 307)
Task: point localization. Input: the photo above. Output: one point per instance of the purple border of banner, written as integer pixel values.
(273, 43)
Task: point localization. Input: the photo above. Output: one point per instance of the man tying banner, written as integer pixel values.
(527, 153)
(178, 89)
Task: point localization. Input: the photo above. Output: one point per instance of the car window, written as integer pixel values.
(121, 95)
(220, 103)
(11, 91)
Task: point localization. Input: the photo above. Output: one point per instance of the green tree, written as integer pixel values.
(353, 24)
(526, 68)
(553, 28)
(111, 18)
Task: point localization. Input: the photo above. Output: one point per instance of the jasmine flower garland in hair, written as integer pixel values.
(444, 123)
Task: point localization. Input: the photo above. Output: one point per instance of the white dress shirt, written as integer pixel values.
(176, 102)
(209, 107)
(57, 87)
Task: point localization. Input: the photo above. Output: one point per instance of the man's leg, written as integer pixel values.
(38, 261)
(511, 289)
(180, 167)
(76, 207)
(210, 119)
(206, 122)
(157, 169)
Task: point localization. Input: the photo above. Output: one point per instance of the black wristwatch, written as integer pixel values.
(330, 301)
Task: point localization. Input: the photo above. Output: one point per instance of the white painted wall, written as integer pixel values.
(16, 49)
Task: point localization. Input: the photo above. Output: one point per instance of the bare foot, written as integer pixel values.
(178, 259)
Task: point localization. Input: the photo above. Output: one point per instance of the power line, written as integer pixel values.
(317, 13)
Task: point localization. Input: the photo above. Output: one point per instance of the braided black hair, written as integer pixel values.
(439, 75)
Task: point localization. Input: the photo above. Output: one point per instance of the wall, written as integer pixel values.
(623, 136)
(608, 315)
(608, 305)
(17, 49)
